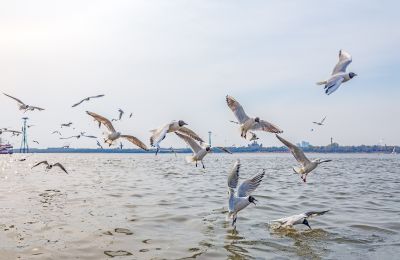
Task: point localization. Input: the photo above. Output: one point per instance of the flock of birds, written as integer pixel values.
(239, 197)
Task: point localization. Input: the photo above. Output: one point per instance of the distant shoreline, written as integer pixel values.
(311, 149)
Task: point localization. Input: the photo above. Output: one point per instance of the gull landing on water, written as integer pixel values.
(247, 123)
(175, 126)
(113, 135)
(243, 198)
(306, 165)
(23, 106)
(298, 219)
(339, 74)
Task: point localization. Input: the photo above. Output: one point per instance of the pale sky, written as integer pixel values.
(166, 60)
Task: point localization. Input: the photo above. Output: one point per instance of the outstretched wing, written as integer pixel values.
(237, 109)
(296, 151)
(344, 61)
(135, 141)
(38, 108)
(16, 99)
(248, 186)
(102, 120)
(233, 177)
(62, 167)
(186, 131)
(267, 127)
(80, 102)
(96, 96)
(315, 213)
(39, 163)
(323, 119)
(333, 84)
(223, 149)
(189, 141)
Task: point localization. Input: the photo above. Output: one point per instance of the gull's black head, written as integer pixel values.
(252, 200)
(181, 123)
(208, 148)
(352, 75)
(305, 222)
(257, 119)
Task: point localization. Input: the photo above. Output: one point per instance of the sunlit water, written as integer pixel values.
(162, 208)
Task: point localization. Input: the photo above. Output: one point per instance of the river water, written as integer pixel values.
(141, 206)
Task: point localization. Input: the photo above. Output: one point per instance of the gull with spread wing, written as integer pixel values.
(175, 126)
(241, 199)
(299, 219)
(321, 122)
(112, 134)
(23, 106)
(248, 123)
(199, 151)
(50, 166)
(306, 165)
(339, 74)
(86, 99)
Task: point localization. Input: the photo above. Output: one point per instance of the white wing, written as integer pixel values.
(248, 186)
(233, 177)
(333, 84)
(158, 135)
(237, 109)
(344, 61)
(296, 151)
(102, 120)
(267, 127)
(189, 141)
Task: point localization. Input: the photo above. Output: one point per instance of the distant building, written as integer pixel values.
(255, 145)
(304, 144)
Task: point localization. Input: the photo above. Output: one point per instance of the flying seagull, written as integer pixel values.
(87, 99)
(121, 112)
(114, 135)
(99, 145)
(131, 114)
(247, 123)
(50, 166)
(306, 165)
(251, 136)
(35, 141)
(321, 122)
(339, 74)
(66, 124)
(242, 199)
(175, 126)
(88, 136)
(299, 219)
(74, 136)
(56, 132)
(199, 151)
(23, 106)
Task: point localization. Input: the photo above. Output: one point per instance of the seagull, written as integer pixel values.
(299, 219)
(121, 112)
(251, 137)
(88, 136)
(50, 166)
(74, 136)
(29, 126)
(56, 132)
(306, 165)
(87, 99)
(339, 74)
(199, 151)
(99, 145)
(321, 122)
(114, 135)
(243, 198)
(175, 126)
(23, 106)
(247, 123)
(131, 114)
(66, 125)
(35, 141)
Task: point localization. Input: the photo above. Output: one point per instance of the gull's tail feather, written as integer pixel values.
(189, 159)
(321, 82)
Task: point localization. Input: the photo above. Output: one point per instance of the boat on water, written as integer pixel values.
(6, 148)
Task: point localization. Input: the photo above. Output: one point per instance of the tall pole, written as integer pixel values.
(209, 137)
(24, 143)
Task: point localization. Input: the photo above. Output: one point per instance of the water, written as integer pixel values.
(162, 208)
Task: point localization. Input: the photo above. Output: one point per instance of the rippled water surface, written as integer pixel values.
(144, 207)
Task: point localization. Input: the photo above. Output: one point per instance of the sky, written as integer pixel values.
(171, 60)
